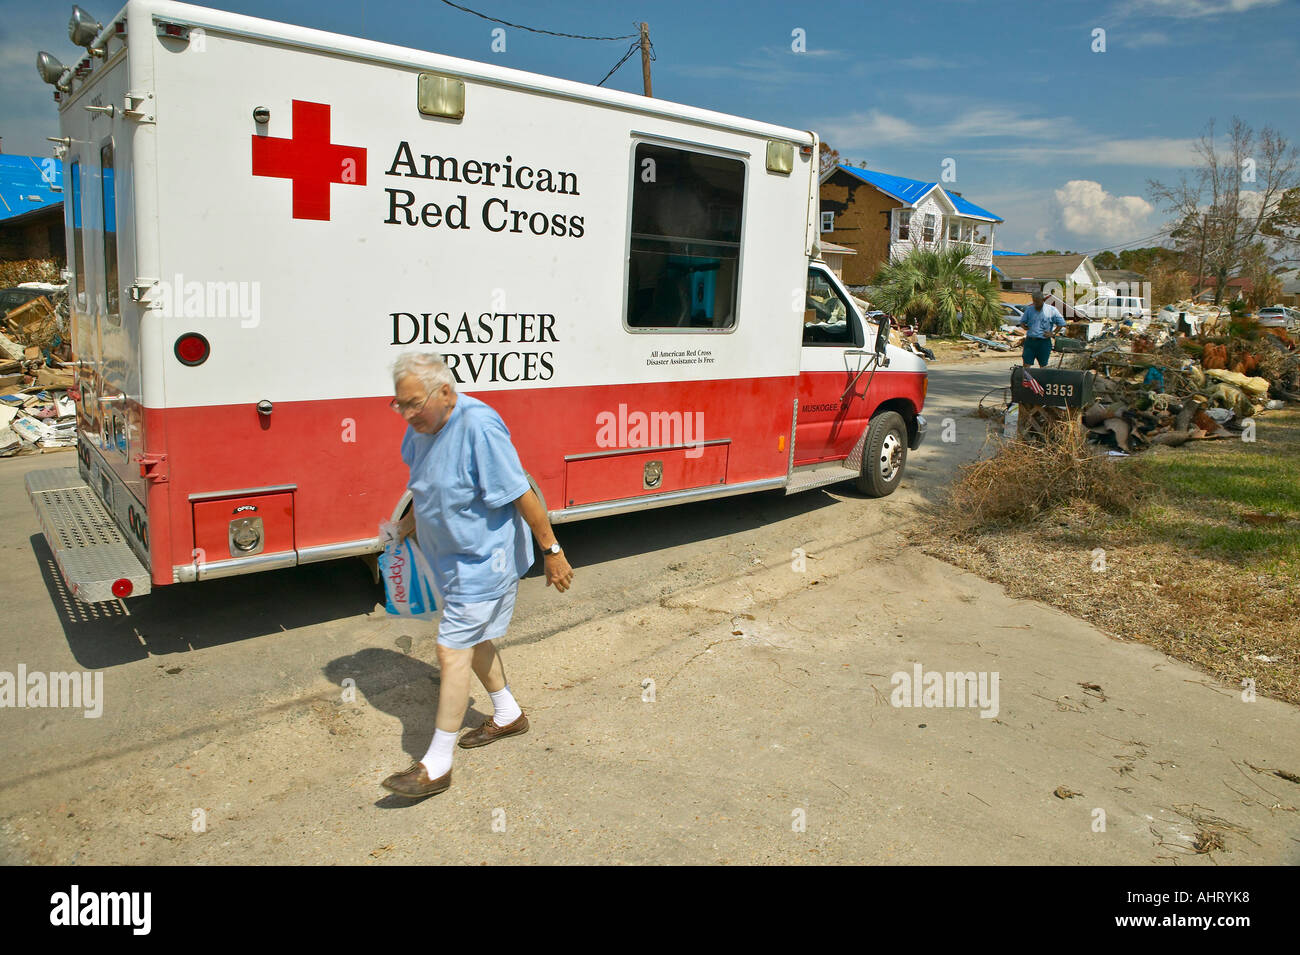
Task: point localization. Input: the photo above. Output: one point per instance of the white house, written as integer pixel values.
(884, 217)
(1029, 273)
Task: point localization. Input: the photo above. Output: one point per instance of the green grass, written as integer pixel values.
(1209, 489)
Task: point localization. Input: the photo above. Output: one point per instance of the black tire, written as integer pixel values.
(884, 455)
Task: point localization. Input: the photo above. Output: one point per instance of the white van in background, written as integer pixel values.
(1118, 308)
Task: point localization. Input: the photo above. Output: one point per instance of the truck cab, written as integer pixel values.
(841, 401)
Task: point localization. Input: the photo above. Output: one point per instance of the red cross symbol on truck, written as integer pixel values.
(310, 160)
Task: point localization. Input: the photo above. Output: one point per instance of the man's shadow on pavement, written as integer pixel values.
(402, 686)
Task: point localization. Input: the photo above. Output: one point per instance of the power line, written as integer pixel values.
(517, 26)
(1127, 243)
(626, 56)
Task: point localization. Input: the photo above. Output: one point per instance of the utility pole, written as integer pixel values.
(645, 57)
(1200, 261)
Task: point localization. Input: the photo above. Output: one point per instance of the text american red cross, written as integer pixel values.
(310, 160)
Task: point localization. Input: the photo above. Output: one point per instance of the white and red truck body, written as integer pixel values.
(261, 217)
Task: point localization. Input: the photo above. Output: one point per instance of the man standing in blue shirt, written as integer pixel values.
(473, 509)
(1040, 323)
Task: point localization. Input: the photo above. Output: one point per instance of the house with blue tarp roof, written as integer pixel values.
(31, 208)
(883, 217)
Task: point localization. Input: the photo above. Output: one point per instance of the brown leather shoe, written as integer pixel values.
(415, 782)
(489, 732)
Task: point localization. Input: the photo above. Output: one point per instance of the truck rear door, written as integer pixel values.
(106, 324)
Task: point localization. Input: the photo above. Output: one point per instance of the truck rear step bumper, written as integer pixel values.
(90, 551)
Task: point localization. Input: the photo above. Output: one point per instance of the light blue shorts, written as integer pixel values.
(465, 624)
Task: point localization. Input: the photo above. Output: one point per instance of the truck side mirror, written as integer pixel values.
(882, 335)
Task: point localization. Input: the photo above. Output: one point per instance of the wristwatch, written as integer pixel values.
(554, 548)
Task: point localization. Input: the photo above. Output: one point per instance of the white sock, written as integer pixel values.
(438, 759)
(504, 708)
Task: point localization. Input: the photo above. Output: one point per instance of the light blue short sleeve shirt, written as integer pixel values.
(1039, 324)
(464, 482)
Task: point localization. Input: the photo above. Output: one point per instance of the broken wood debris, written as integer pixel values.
(37, 388)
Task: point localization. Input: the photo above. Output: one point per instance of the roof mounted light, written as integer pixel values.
(83, 28)
(49, 67)
(438, 95)
(780, 157)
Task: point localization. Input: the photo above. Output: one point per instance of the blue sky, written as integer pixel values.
(1057, 139)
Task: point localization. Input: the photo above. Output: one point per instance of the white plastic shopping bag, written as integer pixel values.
(409, 590)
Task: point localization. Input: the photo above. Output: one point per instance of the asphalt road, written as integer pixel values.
(697, 697)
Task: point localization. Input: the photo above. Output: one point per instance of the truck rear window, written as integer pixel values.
(110, 228)
(685, 239)
(74, 229)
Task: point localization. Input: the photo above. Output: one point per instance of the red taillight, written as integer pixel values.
(122, 588)
(192, 349)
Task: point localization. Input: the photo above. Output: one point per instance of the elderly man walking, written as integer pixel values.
(1040, 322)
(473, 510)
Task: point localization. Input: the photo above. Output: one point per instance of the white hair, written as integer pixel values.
(428, 367)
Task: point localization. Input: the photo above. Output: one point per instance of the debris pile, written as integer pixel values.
(1166, 389)
(1007, 338)
(36, 412)
(1190, 318)
(904, 336)
(1180, 318)
(1054, 472)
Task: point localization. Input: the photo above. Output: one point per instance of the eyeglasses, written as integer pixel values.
(405, 407)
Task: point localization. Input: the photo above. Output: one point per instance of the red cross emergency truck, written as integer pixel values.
(261, 217)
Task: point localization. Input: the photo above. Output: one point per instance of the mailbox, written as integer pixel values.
(1062, 387)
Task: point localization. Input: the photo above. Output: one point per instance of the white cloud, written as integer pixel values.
(1249, 201)
(1152, 151)
(926, 63)
(1188, 9)
(1146, 38)
(999, 122)
(869, 130)
(767, 66)
(1089, 210)
(1030, 139)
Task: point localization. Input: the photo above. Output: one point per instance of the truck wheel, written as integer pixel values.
(884, 455)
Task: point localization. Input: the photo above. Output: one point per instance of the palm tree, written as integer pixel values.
(939, 290)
